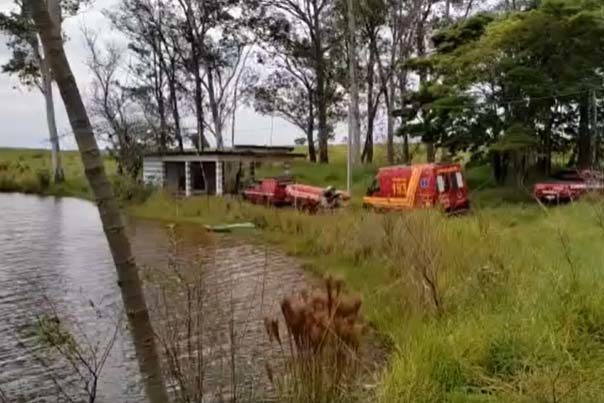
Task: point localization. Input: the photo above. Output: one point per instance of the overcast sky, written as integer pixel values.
(22, 112)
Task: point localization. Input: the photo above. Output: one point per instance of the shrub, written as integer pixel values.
(130, 190)
(43, 178)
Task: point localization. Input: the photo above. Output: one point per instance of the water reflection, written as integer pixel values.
(56, 248)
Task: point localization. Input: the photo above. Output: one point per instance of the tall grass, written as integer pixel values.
(504, 305)
(29, 171)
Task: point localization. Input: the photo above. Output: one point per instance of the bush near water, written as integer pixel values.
(517, 312)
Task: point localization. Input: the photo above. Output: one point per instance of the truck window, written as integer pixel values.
(452, 183)
(459, 178)
(440, 182)
(373, 188)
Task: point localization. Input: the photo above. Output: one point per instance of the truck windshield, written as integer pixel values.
(449, 181)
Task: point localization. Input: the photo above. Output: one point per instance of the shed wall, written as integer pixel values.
(153, 171)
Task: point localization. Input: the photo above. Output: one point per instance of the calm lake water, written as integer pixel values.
(53, 253)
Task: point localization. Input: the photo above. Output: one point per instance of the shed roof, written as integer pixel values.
(243, 152)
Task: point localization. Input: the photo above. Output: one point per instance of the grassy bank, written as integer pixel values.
(503, 305)
(517, 312)
(29, 171)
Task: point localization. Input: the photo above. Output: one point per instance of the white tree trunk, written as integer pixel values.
(354, 131)
(57, 169)
(54, 11)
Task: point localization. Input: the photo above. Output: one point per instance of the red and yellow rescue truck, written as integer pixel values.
(419, 186)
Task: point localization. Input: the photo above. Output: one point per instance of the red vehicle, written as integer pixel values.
(284, 192)
(269, 191)
(312, 198)
(568, 186)
(419, 186)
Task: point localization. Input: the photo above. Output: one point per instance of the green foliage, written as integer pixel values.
(533, 67)
(466, 31)
(516, 138)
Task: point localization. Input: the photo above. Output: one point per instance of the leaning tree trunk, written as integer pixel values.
(128, 276)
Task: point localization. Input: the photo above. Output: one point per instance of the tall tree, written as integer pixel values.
(114, 114)
(291, 99)
(372, 16)
(216, 35)
(304, 32)
(31, 65)
(128, 276)
(154, 43)
(397, 39)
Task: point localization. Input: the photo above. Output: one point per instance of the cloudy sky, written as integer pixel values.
(22, 112)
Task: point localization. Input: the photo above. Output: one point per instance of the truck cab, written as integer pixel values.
(419, 186)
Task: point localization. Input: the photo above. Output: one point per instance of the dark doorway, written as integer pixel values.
(175, 177)
(209, 168)
(198, 180)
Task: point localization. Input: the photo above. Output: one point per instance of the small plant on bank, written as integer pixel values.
(320, 347)
(43, 176)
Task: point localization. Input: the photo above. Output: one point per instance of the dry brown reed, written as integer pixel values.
(319, 347)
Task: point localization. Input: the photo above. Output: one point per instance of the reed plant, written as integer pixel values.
(319, 359)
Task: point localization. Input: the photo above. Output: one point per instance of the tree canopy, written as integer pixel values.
(539, 68)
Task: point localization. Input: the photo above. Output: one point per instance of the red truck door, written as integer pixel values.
(451, 187)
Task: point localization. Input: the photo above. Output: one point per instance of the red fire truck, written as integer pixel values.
(419, 186)
(269, 191)
(569, 185)
(284, 192)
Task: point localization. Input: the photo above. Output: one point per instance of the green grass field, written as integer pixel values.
(505, 304)
(29, 171)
